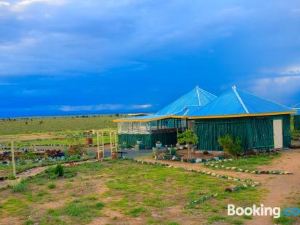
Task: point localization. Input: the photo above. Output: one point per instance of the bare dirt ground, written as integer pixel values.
(34, 171)
(27, 137)
(281, 189)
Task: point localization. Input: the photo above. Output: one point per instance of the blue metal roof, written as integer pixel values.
(236, 102)
(196, 97)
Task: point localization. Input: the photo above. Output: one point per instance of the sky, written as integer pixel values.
(60, 57)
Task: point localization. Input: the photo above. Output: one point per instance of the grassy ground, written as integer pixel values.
(50, 124)
(125, 192)
(6, 170)
(251, 162)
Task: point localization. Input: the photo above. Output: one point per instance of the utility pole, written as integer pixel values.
(13, 159)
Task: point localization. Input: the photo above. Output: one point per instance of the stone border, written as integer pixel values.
(277, 172)
(245, 182)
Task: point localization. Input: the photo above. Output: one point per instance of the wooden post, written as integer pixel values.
(116, 142)
(98, 147)
(110, 140)
(13, 159)
(103, 145)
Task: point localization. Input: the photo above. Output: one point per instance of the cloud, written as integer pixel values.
(24, 4)
(4, 4)
(80, 37)
(293, 69)
(102, 107)
(281, 89)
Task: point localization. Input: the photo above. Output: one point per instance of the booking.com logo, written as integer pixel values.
(291, 212)
(262, 210)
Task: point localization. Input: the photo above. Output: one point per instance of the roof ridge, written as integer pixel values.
(198, 95)
(240, 99)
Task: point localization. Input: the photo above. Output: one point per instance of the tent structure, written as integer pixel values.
(258, 122)
(163, 125)
(195, 98)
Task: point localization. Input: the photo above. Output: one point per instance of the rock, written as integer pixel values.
(198, 160)
(230, 189)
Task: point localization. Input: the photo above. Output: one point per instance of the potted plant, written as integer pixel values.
(189, 138)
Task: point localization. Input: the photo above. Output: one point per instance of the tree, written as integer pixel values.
(189, 138)
(231, 146)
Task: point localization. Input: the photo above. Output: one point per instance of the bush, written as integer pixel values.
(59, 170)
(173, 151)
(188, 137)
(51, 186)
(230, 145)
(20, 187)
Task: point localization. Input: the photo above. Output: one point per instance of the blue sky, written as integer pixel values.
(101, 56)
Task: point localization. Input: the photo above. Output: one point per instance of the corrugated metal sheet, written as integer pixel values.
(196, 97)
(236, 102)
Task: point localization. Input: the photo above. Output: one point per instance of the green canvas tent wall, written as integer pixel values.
(259, 123)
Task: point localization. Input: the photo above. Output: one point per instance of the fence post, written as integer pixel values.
(13, 159)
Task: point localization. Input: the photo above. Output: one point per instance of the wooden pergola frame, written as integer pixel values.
(101, 144)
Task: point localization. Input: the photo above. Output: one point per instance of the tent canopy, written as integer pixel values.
(198, 104)
(197, 97)
(236, 103)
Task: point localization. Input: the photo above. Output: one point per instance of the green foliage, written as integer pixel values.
(283, 220)
(29, 222)
(230, 145)
(99, 205)
(136, 211)
(173, 151)
(51, 186)
(187, 137)
(20, 187)
(59, 170)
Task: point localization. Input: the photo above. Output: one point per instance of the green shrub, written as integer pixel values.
(99, 205)
(173, 151)
(187, 137)
(59, 170)
(20, 187)
(136, 211)
(51, 186)
(230, 145)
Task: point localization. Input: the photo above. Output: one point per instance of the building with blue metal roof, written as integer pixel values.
(163, 125)
(258, 122)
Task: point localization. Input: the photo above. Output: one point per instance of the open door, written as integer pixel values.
(277, 131)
